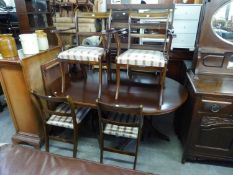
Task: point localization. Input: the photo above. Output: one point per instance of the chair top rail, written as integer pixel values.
(120, 109)
(159, 36)
(140, 6)
(51, 98)
(92, 33)
(93, 15)
(152, 25)
(151, 15)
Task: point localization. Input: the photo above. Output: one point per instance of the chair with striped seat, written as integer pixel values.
(92, 54)
(60, 112)
(119, 121)
(148, 46)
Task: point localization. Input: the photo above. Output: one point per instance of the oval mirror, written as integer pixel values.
(222, 22)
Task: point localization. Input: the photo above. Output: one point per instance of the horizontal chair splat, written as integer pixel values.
(152, 25)
(162, 15)
(160, 36)
(167, 5)
(96, 15)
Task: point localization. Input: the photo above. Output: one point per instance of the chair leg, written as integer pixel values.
(109, 69)
(62, 67)
(46, 139)
(162, 85)
(100, 78)
(83, 71)
(118, 81)
(101, 141)
(136, 152)
(75, 141)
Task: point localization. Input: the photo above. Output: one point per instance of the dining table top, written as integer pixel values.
(140, 90)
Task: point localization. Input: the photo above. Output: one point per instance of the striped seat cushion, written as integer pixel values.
(83, 53)
(66, 121)
(142, 58)
(122, 131)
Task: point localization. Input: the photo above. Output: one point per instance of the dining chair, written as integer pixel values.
(119, 121)
(148, 46)
(67, 6)
(60, 112)
(85, 4)
(52, 77)
(89, 55)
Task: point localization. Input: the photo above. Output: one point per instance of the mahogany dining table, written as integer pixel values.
(140, 90)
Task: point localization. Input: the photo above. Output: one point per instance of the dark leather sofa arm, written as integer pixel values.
(16, 159)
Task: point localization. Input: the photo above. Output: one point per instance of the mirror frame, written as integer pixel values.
(208, 40)
(221, 38)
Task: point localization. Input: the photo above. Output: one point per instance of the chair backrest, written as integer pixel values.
(149, 30)
(92, 23)
(52, 76)
(105, 108)
(48, 104)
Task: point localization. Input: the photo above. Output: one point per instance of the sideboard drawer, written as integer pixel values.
(216, 106)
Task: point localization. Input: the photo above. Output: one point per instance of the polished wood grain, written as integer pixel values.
(211, 47)
(212, 85)
(141, 90)
(17, 78)
(205, 123)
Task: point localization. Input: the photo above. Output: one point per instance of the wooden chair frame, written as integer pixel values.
(106, 20)
(45, 112)
(164, 17)
(124, 110)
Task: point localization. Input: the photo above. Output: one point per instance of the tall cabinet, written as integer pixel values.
(33, 14)
(185, 24)
(205, 124)
(17, 78)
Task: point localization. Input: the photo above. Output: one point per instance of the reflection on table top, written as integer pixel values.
(131, 94)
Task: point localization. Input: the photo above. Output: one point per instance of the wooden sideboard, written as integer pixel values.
(205, 123)
(17, 78)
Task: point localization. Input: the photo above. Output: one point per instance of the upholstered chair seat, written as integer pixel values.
(122, 131)
(83, 53)
(67, 121)
(139, 57)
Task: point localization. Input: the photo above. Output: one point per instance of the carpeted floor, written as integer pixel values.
(155, 155)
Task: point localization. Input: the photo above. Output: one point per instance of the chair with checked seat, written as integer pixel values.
(119, 121)
(90, 55)
(148, 46)
(60, 112)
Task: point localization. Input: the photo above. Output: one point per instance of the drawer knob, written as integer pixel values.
(215, 108)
